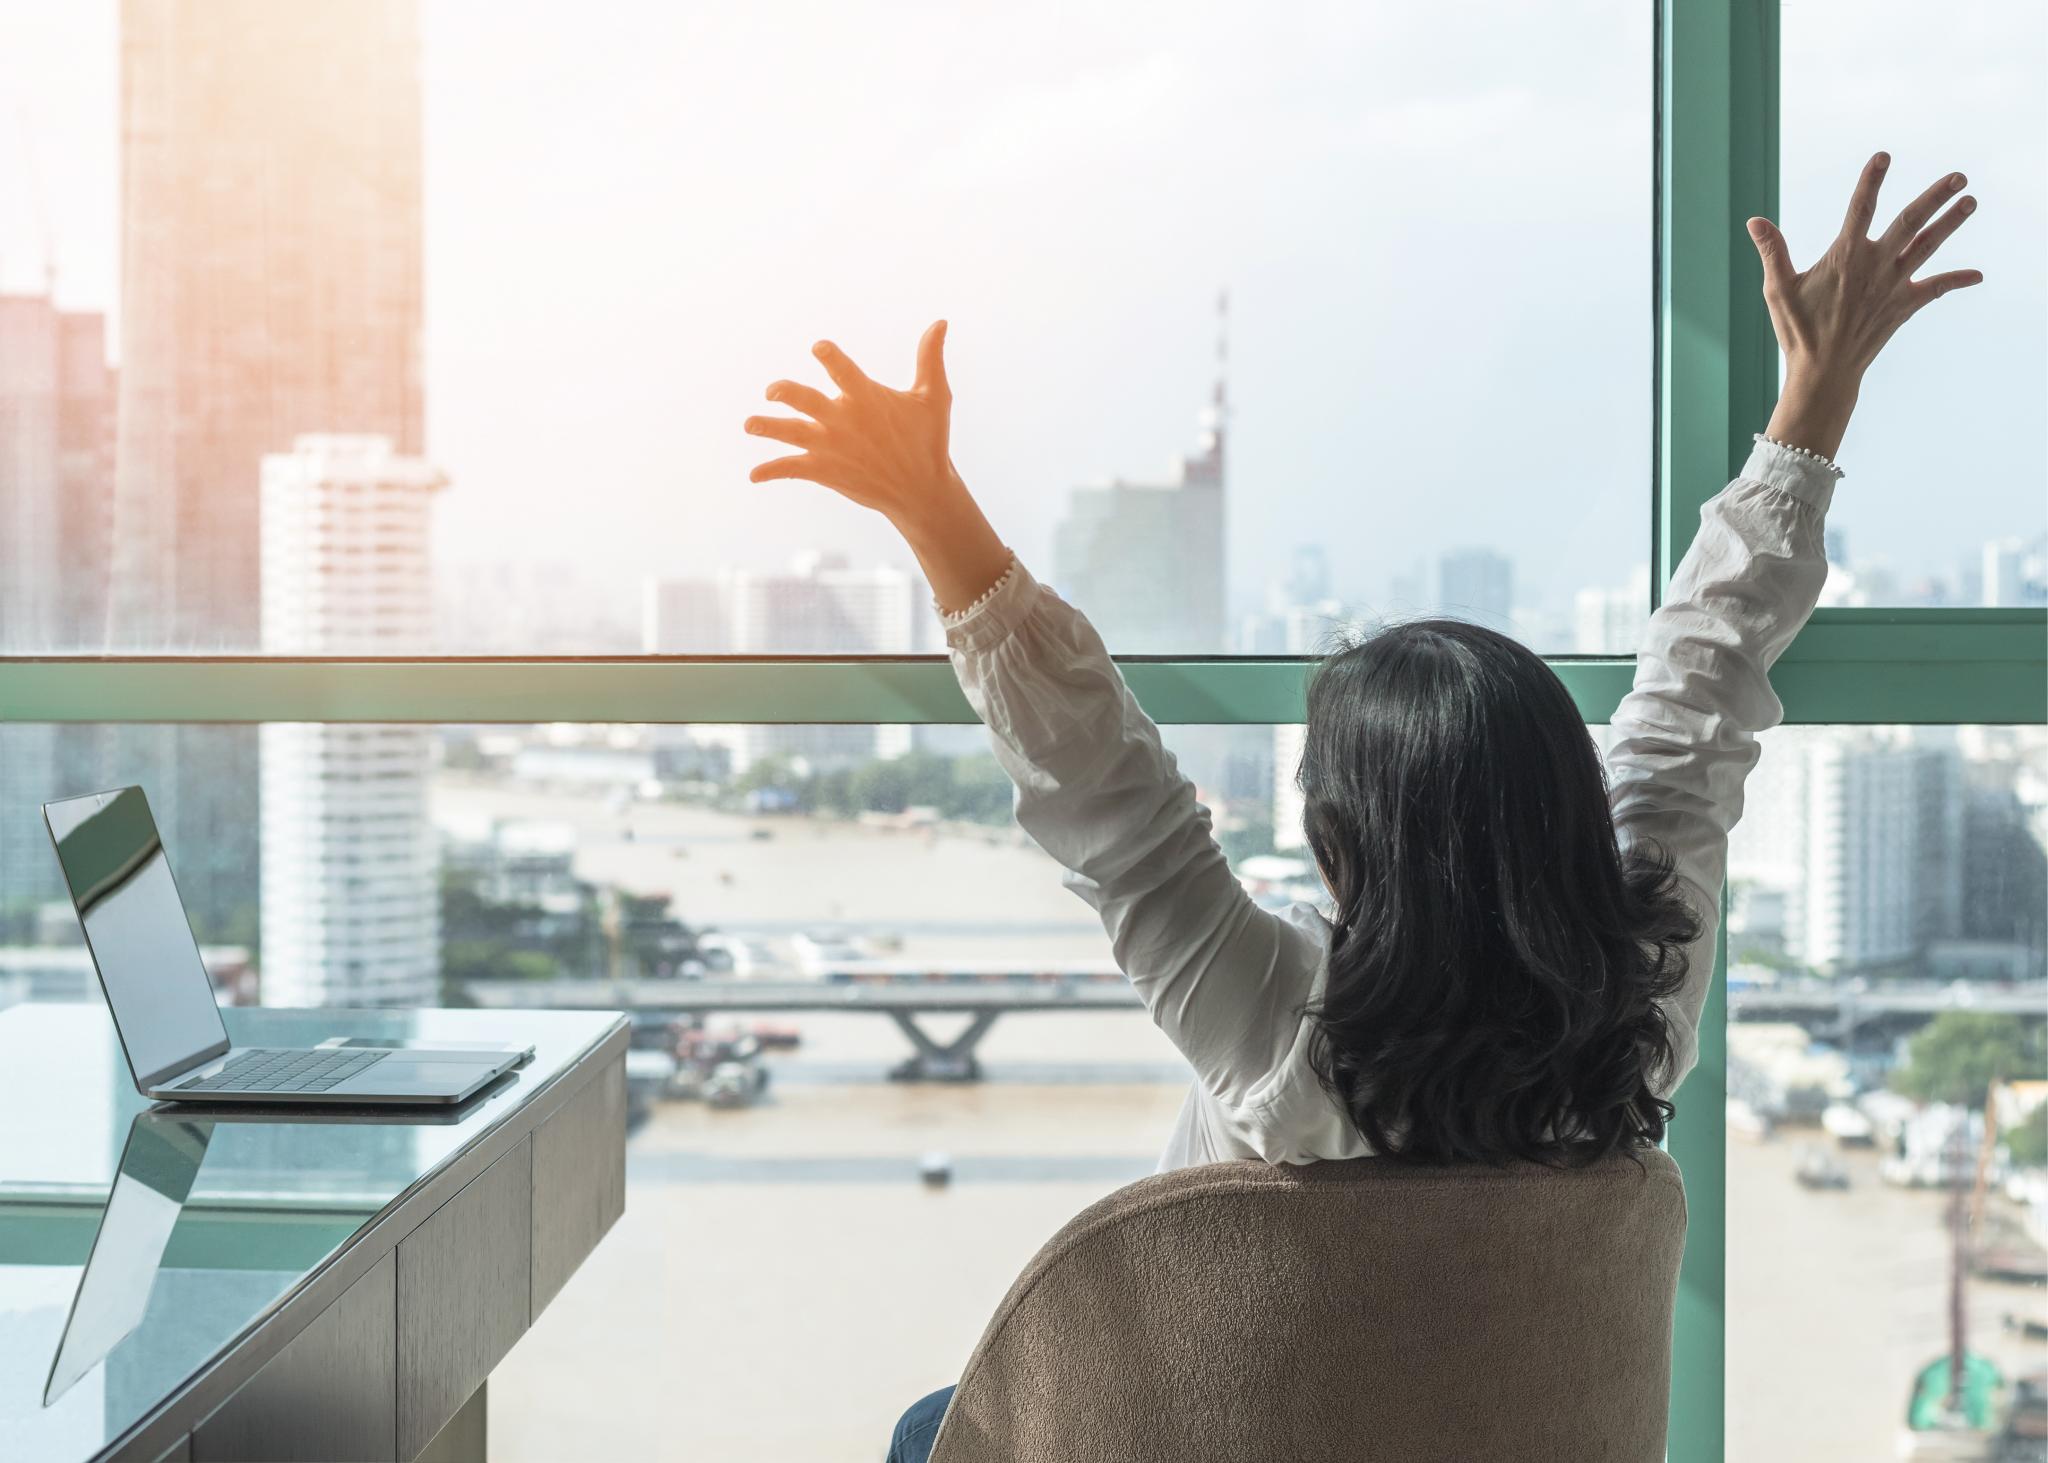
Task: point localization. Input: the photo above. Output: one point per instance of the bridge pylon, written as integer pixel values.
(954, 1061)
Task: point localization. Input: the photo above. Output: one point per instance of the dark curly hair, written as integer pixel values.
(1498, 964)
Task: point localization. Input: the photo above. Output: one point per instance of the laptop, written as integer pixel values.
(163, 1005)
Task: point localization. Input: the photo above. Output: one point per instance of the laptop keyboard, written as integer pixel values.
(294, 1070)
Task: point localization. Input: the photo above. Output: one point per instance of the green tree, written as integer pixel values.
(774, 771)
(883, 786)
(928, 780)
(981, 791)
(467, 960)
(1768, 957)
(831, 793)
(2028, 1142)
(1958, 1055)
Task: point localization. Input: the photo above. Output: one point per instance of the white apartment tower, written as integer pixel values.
(818, 606)
(351, 888)
(1288, 804)
(1852, 845)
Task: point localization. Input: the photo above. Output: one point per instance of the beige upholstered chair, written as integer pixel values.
(1349, 1311)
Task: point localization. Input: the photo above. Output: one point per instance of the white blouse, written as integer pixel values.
(1225, 979)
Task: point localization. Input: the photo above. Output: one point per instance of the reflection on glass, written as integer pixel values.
(158, 1167)
(135, 927)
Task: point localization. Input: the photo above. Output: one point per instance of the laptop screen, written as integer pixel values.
(141, 942)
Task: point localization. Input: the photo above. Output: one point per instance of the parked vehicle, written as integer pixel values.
(1820, 1169)
(1849, 1126)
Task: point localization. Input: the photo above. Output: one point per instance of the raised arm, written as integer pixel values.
(1095, 787)
(1687, 732)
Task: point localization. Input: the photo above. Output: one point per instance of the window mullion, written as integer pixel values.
(1717, 110)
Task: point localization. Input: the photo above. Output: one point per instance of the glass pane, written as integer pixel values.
(756, 863)
(549, 262)
(1952, 409)
(777, 860)
(1889, 892)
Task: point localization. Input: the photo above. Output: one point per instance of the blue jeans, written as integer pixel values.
(917, 1427)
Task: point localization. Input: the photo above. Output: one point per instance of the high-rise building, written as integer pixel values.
(1287, 800)
(819, 606)
(1477, 585)
(2015, 572)
(29, 777)
(1300, 616)
(56, 476)
(1864, 850)
(351, 884)
(684, 616)
(270, 286)
(2003, 893)
(823, 606)
(56, 485)
(1767, 856)
(1854, 843)
(1145, 561)
(270, 273)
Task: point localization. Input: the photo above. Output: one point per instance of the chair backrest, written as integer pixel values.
(1354, 1310)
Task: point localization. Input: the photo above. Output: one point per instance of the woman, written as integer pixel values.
(1519, 953)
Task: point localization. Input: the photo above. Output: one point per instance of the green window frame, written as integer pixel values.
(1716, 160)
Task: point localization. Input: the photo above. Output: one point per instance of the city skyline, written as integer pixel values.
(242, 337)
(619, 398)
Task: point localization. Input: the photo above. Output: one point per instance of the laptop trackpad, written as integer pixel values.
(401, 1077)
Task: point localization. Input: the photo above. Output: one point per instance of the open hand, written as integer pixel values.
(1839, 313)
(885, 449)
(889, 450)
(1833, 318)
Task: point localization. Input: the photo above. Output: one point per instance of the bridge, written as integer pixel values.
(1838, 1009)
(902, 997)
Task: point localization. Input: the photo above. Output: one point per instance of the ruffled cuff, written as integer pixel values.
(991, 619)
(1806, 476)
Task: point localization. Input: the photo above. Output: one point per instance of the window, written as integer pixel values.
(1952, 411)
(568, 428)
(612, 233)
(1887, 947)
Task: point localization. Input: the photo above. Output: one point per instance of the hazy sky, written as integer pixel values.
(1433, 221)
